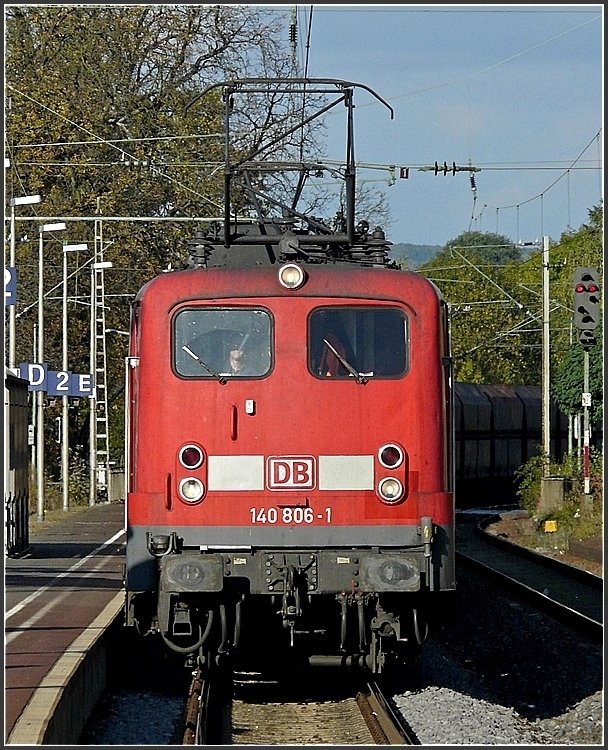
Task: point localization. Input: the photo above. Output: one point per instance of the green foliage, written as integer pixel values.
(486, 247)
(78, 487)
(529, 478)
(494, 293)
(581, 248)
(478, 276)
(568, 381)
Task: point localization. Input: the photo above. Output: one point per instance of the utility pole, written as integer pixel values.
(586, 400)
(546, 365)
(57, 226)
(92, 363)
(99, 447)
(34, 402)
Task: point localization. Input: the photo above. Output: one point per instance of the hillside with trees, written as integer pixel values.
(412, 256)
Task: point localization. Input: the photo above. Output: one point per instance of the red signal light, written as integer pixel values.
(592, 288)
(580, 288)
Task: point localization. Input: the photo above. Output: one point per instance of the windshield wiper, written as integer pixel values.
(219, 377)
(357, 375)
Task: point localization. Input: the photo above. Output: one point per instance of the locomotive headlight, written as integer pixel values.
(390, 455)
(191, 489)
(390, 490)
(291, 276)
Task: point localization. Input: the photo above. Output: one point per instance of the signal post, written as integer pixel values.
(586, 315)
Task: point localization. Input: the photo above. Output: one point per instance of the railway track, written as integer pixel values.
(248, 708)
(570, 595)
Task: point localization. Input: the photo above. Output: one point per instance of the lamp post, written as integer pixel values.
(24, 200)
(40, 394)
(64, 366)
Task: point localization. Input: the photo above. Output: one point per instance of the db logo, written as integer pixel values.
(290, 473)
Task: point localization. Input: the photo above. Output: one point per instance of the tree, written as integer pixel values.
(493, 319)
(495, 297)
(567, 387)
(99, 121)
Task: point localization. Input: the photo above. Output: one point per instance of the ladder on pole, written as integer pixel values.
(102, 442)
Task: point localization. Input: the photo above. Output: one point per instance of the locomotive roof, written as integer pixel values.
(268, 242)
(337, 280)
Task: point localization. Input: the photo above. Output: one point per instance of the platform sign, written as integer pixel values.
(10, 286)
(35, 374)
(82, 385)
(57, 382)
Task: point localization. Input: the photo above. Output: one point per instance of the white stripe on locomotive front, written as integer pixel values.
(236, 473)
(346, 472)
(239, 473)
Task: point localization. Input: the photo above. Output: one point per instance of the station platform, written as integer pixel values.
(60, 598)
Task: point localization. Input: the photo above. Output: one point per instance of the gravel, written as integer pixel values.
(135, 717)
(498, 673)
(461, 711)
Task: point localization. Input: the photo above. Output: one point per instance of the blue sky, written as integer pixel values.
(515, 90)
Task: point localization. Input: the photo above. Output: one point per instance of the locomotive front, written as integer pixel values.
(290, 472)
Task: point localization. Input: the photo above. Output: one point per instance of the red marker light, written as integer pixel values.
(191, 456)
(390, 455)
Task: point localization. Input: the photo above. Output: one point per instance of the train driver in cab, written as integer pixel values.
(237, 361)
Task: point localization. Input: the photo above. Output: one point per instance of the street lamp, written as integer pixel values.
(58, 226)
(64, 366)
(23, 200)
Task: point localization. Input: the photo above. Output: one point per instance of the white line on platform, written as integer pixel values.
(35, 594)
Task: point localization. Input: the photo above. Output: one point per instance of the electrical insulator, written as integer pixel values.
(293, 33)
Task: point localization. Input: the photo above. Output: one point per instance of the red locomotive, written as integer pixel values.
(290, 449)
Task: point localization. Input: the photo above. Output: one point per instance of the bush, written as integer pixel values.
(78, 487)
(571, 520)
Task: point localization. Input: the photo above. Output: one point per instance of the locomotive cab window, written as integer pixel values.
(222, 342)
(357, 342)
